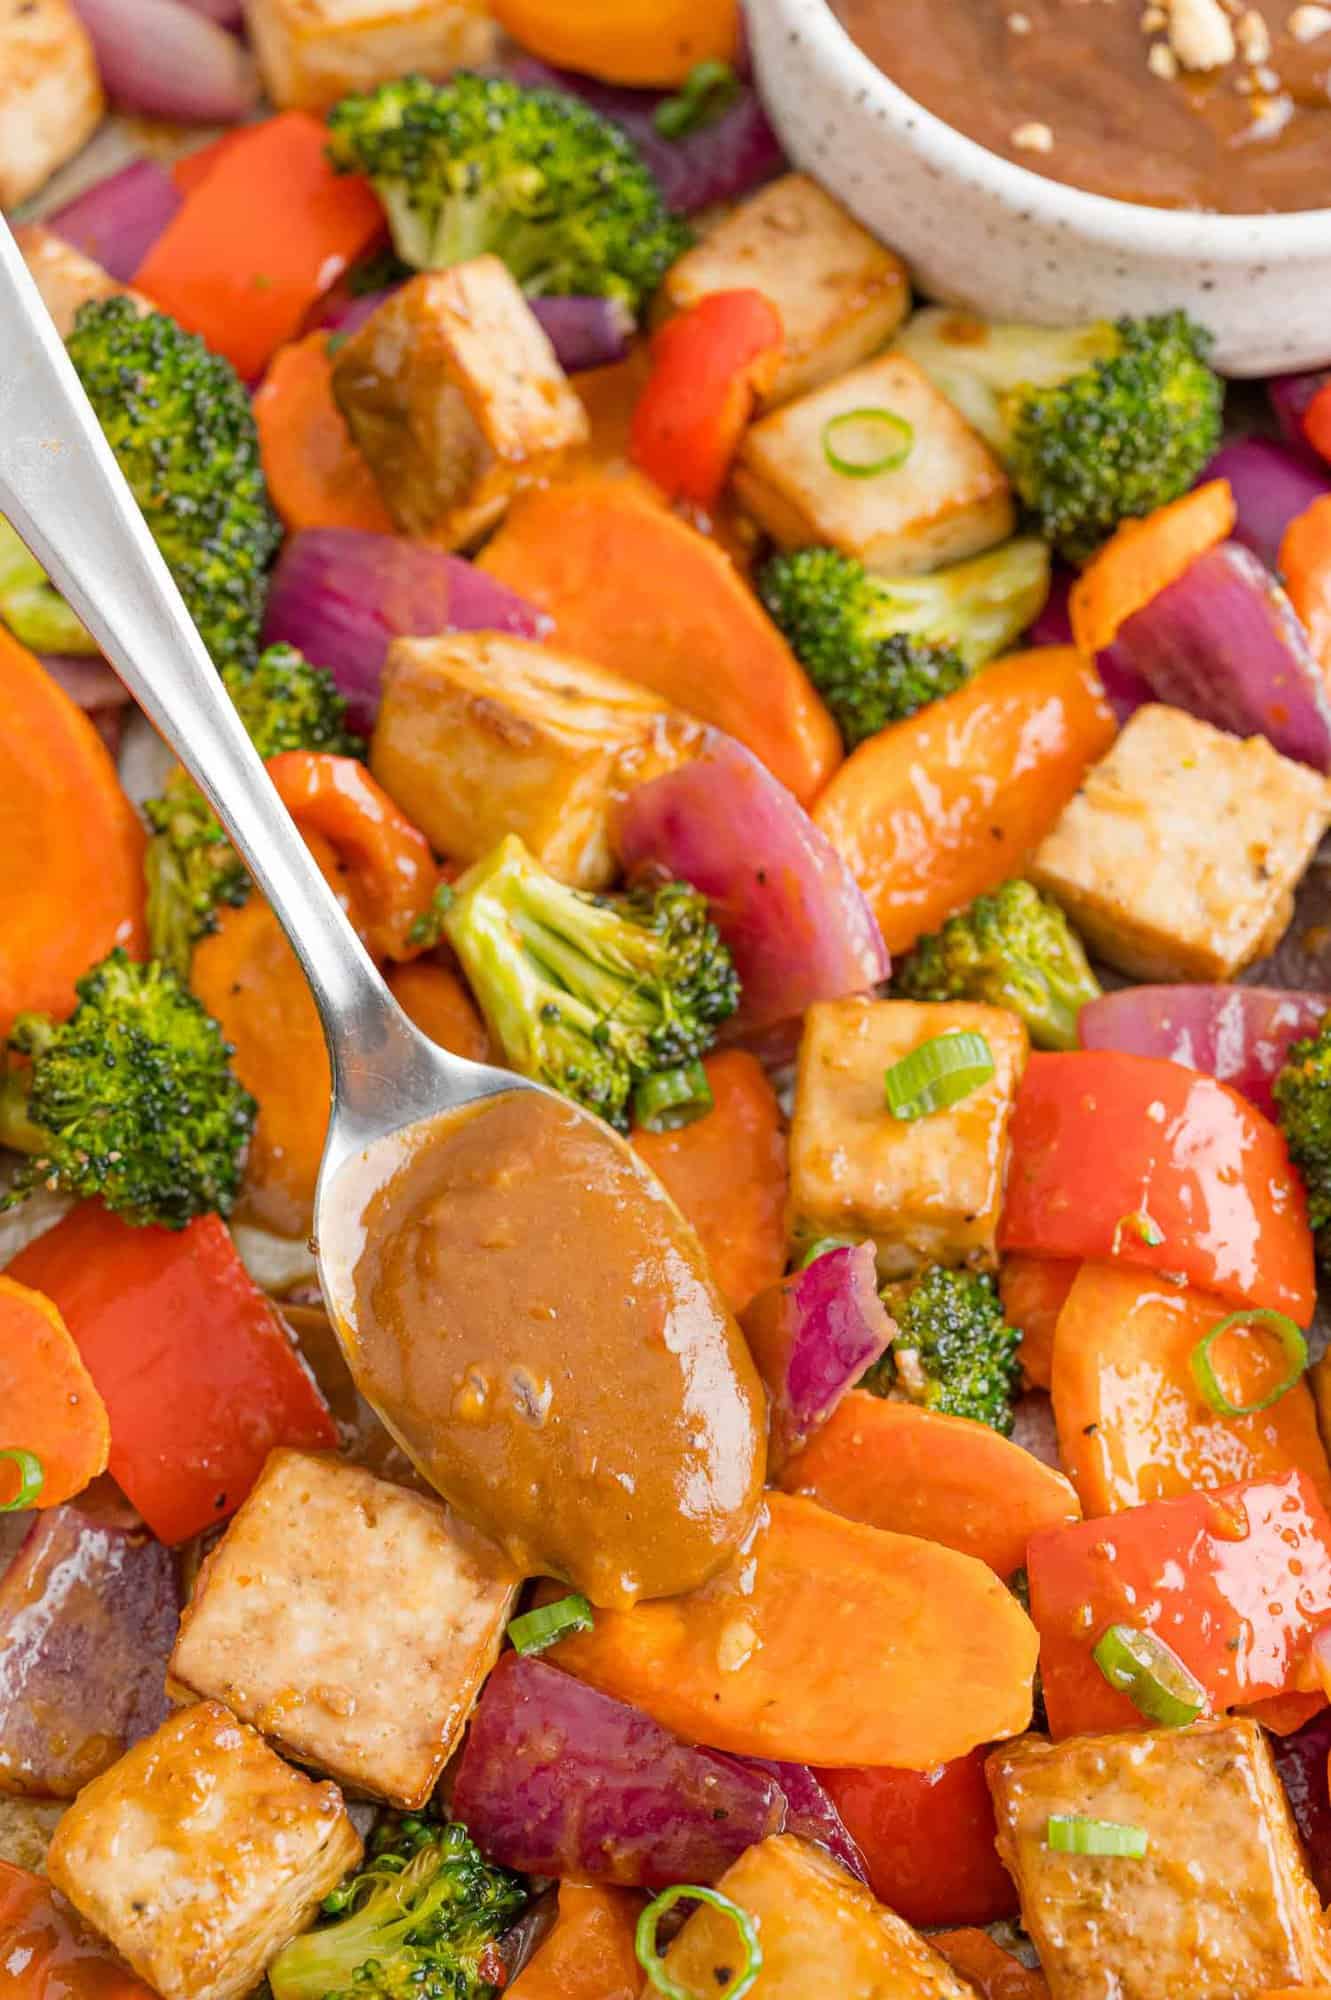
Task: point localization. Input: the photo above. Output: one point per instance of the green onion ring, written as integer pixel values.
(1151, 1675)
(1204, 1375)
(31, 1477)
(549, 1623)
(672, 1097)
(644, 1943)
(892, 436)
(939, 1073)
(1069, 1833)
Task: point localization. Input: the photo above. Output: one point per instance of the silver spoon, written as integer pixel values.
(63, 491)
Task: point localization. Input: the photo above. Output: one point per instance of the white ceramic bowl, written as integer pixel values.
(983, 233)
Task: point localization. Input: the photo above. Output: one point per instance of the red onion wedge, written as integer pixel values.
(1124, 687)
(1237, 1033)
(170, 61)
(1224, 643)
(810, 1812)
(1302, 1762)
(227, 13)
(796, 921)
(88, 681)
(341, 596)
(812, 1336)
(584, 332)
(1271, 484)
(1290, 396)
(117, 222)
(558, 1779)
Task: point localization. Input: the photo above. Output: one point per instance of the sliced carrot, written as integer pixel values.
(635, 589)
(935, 810)
(993, 1972)
(943, 1479)
(438, 1002)
(1305, 565)
(71, 846)
(589, 1954)
(824, 1642)
(394, 874)
(1133, 1426)
(49, 1404)
(653, 42)
(1034, 1290)
(268, 228)
(1142, 557)
(610, 396)
(727, 1175)
(316, 472)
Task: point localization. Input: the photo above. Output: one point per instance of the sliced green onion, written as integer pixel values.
(549, 1623)
(672, 1097)
(644, 1943)
(1141, 1225)
(31, 1479)
(939, 1073)
(822, 1245)
(861, 443)
(1151, 1675)
(1068, 1833)
(1204, 1375)
(709, 89)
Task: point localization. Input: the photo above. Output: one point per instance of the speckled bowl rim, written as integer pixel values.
(1124, 225)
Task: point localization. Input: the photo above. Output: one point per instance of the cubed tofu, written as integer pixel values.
(66, 278)
(822, 1933)
(1180, 855)
(927, 1190)
(350, 1620)
(949, 497)
(454, 394)
(1221, 1904)
(840, 294)
(479, 735)
(311, 52)
(200, 1854)
(50, 93)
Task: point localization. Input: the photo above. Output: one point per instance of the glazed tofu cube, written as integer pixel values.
(479, 735)
(311, 52)
(51, 99)
(200, 1854)
(927, 1190)
(454, 394)
(948, 498)
(1220, 1905)
(66, 278)
(1180, 855)
(822, 1932)
(840, 294)
(350, 1620)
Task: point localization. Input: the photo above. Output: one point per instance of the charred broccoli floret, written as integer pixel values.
(480, 164)
(131, 1099)
(193, 871)
(1303, 1101)
(421, 1920)
(879, 648)
(178, 419)
(1098, 424)
(953, 1351)
(1012, 948)
(598, 996)
(30, 604)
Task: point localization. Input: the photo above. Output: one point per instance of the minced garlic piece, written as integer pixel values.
(1034, 138)
(1200, 34)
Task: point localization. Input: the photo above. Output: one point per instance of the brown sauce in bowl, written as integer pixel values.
(1091, 92)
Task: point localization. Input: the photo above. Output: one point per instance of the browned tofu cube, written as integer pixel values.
(311, 52)
(479, 735)
(941, 494)
(66, 278)
(927, 1190)
(1180, 855)
(1219, 1907)
(840, 294)
(51, 99)
(350, 1620)
(454, 394)
(823, 1935)
(200, 1854)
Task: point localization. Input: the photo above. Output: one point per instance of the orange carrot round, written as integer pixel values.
(1033, 1290)
(316, 472)
(589, 1954)
(49, 1404)
(992, 1971)
(652, 42)
(1142, 557)
(394, 874)
(438, 1002)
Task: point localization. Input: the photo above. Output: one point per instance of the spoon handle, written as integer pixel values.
(66, 496)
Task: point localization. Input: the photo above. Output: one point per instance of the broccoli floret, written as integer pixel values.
(879, 648)
(421, 1920)
(1303, 1102)
(178, 419)
(953, 1351)
(32, 607)
(1011, 948)
(193, 871)
(591, 994)
(480, 164)
(131, 1099)
(1097, 424)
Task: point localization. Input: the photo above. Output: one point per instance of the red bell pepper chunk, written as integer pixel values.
(267, 229)
(199, 1378)
(709, 366)
(1235, 1581)
(928, 1840)
(1317, 422)
(45, 1952)
(1102, 1141)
